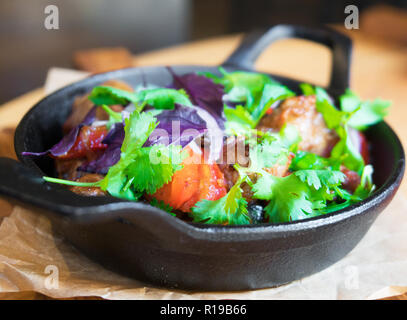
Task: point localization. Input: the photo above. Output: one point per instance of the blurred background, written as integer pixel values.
(28, 50)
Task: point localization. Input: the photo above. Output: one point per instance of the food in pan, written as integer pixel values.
(235, 148)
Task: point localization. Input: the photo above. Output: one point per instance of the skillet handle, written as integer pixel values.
(19, 182)
(255, 43)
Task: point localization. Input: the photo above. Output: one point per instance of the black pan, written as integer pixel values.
(146, 243)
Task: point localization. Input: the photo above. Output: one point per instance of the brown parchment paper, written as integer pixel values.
(33, 260)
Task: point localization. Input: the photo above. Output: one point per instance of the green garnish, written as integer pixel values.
(314, 185)
(255, 91)
(163, 206)
(231, 209)
(159, 98)
(297, 196)
(140, 170)
(366, 113)
(241, 86)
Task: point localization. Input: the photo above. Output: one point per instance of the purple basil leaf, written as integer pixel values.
(115, 135)
(68, 140)
(111, 155)
(178, 126)
(170, 130)
(203, 92)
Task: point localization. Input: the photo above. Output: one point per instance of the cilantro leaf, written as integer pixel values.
(158, 98)
(164, 98)
(105, 95)
(306, 160)
(307, 89)
(141, 169)
(272, 92)
(335, 119)
(239, 120)
(366, 186)
(320, 178)
(265, 154)
(241, 86)
(297, 196)
(231, 209)
(114, 117)
(148, 175)
(366, 113)
(289, 137)
(332, 116)
(163, 206)
(287, 196)
(346, 151)
(255, 93)
(137, 129)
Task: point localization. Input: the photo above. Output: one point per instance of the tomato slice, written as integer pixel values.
(194, 182)
(88, 141)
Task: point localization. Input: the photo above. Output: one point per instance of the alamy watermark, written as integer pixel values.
(352, 20)
(51, 21)
(52, 280)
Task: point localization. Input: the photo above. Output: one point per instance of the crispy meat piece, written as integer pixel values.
(67, 168)
(231, 175)
(301, 112)
(88, 191)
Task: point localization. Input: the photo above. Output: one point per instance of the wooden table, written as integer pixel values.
(379, 70)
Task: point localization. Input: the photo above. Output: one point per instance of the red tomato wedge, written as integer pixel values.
(88, 140)
(194, 182)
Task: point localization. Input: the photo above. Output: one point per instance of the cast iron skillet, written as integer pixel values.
(146, 243)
